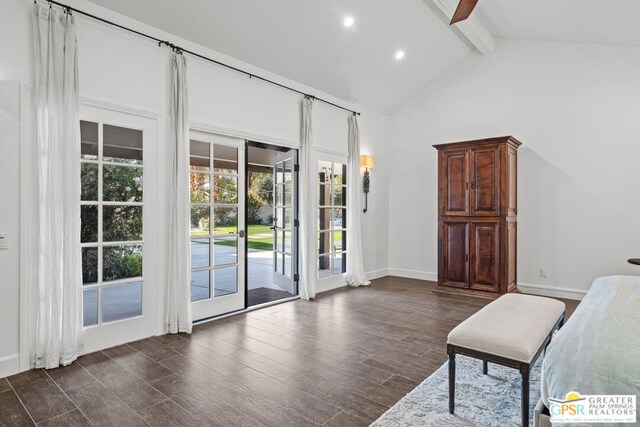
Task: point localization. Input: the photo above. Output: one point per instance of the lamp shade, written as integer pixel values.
(367, 161)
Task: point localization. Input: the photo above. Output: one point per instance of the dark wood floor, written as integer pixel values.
(341, 360)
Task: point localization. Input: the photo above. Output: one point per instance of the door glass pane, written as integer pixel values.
(89, 265)
(337, 218)
(200, 253)
(279, 263)
(122, 145)
(121, 301)
(121, 223)
(287, 241)
(339, 198)
(287, 266)
(200, 285)
(200, 155)
(324, 195)
(339, 173)
(225, 281)
(287, 217)
(89, 182)
(278, 240)
(279, 173)
(324, 219)
(338, 266)
(337, 241)
(288, 170)
(226, 220)
(90, 307)
(122, 184)
(324, 172)
(200, 220)
(225, 159)
(121, 262)
(89, 138)
(279, 194)
(199, 187)
(279, 219)
(225, 189)
(288, 188)
(225, 251)
(88, 224)
(324, 242)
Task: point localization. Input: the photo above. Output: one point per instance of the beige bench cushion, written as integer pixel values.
(513, 326)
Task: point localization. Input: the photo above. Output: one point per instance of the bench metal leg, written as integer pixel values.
(485, 367)
(525, 397)
(452, 382)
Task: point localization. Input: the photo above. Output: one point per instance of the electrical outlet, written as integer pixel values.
(543, 272)
(3, 241)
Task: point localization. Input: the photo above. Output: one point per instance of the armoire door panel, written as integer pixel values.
(456, 183)
(485, 255)
(455, 257)
(485, 181)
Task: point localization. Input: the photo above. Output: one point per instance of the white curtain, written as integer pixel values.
(355, 258)
(307, 229)
(179, 316)
(58, 335)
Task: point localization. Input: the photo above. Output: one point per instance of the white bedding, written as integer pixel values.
(598, 349)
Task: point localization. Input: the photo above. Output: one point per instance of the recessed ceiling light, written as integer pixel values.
(348, 21)
(399, 55)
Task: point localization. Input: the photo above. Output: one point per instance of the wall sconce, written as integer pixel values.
(367, 162)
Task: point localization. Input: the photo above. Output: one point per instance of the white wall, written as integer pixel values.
(576, 108)
(124, 69)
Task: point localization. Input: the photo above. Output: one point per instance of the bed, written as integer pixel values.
(598, 349)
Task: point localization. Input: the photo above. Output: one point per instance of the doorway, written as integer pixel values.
(272, 223)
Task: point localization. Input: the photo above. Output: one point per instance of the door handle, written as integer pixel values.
(241, 233)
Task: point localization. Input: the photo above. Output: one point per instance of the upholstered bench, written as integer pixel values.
(511, 331)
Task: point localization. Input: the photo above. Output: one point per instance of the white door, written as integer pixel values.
(217, 189)
(285, 221)
(118, 222)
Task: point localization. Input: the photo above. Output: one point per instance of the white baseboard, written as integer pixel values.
(376, 274)
(551, 291)
(9, 365)
(413, 274)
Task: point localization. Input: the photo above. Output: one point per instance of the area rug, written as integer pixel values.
(481, 400)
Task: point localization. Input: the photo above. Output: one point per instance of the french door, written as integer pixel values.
(284, 221)
(119, 210)
(217, 206)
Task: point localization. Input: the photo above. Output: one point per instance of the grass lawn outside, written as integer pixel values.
(259, 236)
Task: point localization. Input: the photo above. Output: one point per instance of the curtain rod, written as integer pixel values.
(179, 49)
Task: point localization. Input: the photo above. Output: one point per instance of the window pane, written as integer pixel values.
(339, 264)
(199, 187)
(121, 301)
(200, 220)
(337, 241)
(225, 159)
(225, 281)
(121, 262)
(121, 145)
(200, 285)
(121, 223)
(225, 189)
(338, 218)
(339, 198)
(324, 266)
(88, 224)
(324, 219)
(89, 182)
(90, 307)
(324, 195)
(122, 184)
(226, 220)
(287, 241)
(200, 253)
(288, 188)
(200, 155)
(324, 243)
(89, 140)
(89, 265)
(324, 172)
(339, 174)
(225, 251)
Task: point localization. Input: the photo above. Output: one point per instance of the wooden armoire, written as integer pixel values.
(477, 211)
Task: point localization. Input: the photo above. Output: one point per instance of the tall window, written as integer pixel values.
(332, 219)
(213, 183)
(111, 222)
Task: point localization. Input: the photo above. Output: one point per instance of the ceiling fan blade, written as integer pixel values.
(464, 9)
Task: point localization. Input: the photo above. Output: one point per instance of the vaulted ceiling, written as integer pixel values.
(306, 41)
